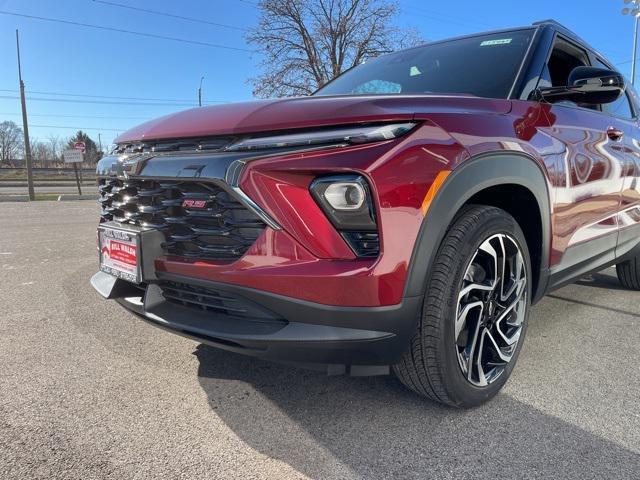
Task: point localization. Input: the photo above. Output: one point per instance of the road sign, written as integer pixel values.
(73, 156)
(80, 146)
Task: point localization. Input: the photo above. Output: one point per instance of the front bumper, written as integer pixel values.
(356, 340)
(328, 306)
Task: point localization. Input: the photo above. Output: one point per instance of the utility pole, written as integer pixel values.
(25, 128)
(633, 11)
(200, 92)
(100, 142)
(635, 48)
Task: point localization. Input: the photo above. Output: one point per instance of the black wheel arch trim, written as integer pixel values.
(471, 177)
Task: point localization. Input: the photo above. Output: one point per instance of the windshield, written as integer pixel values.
(483, 65)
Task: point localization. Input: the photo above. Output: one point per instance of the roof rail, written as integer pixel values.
(549, 20)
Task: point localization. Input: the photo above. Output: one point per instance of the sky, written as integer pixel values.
(105, 82)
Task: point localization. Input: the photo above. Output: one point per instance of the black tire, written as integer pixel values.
(629, 273)
(430, 366)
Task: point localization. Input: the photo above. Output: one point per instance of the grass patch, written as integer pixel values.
(47, 196)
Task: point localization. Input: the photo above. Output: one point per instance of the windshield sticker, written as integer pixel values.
(414, 71)
(500, 41)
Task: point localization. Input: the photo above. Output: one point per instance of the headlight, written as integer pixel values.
(334, 136)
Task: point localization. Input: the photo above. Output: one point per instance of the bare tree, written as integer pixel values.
(306, 43)
(54, 147)
(33, 143)
(40, 152)
(11, 141)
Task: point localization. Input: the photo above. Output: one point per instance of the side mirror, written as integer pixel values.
(586, 85)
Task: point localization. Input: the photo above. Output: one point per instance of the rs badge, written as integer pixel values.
(194, 203)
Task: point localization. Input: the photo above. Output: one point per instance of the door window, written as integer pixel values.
(621, 107)
(564, 58)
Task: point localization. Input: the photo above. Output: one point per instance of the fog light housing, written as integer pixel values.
(347, 202)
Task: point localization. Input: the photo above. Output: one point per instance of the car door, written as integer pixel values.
(624, 115)
(585, 220)
(627, 108)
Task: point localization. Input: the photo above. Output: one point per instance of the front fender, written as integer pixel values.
(471, 177)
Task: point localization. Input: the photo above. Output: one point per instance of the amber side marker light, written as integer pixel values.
(433, 189)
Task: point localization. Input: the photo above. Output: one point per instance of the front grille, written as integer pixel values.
(199, 220)
(215, 301)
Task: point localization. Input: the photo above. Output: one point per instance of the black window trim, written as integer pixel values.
(632, 105)
(591, 55)
(558, 35)
(526, 59)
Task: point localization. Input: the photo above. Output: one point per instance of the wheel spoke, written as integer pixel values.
(472, 351)
(515, 302)
(510, 340)
(474, 286)
(461, 321)
(492, 342)
(482, 379)
(488, 248)
(503, 264)
(517, 275)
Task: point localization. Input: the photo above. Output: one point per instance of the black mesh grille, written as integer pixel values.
(215, 301)
(365, 244)
(199, 220)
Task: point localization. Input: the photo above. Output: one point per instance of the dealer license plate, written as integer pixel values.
(120, 253)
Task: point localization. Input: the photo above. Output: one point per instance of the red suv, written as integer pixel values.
(404, 217)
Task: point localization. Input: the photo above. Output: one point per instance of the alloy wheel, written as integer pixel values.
(491, 310)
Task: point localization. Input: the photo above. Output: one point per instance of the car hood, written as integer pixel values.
(304, 112)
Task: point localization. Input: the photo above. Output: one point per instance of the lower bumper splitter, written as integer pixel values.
(358, 340)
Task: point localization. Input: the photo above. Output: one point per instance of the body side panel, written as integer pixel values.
(588, 200)
(629, 216)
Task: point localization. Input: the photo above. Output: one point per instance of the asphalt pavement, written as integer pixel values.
(88, 391)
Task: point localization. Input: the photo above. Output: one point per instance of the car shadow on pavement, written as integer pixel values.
(601, 280)
(341, 427)
(595, 305)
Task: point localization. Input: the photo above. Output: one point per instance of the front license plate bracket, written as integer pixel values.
(150, 246)
(120, 253)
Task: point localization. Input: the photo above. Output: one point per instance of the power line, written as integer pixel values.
(171, 15)
(626, 61)
(100, 102)
(110, 96)
(53, 115)
(131, 32)
(432, 15)
(78, 128)
(443, 18)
